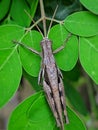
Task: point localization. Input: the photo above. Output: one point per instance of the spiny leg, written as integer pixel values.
(51, 102)
(62, 98)
(56, 95)
(59, 72)
(41, 74)
(40, 77)
(63, 46)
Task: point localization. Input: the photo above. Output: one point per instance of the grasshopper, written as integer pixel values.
(50, 76)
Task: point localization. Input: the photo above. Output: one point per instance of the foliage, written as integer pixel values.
(81, 20)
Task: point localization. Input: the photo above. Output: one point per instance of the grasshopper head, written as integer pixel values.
(46, 43)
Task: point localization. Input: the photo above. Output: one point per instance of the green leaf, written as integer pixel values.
(10, 66)
(66, 58)
(18, 13)
(18, 118)
(88, 54)
(46, 117)
(34, 113)
(4, 7)
(31, 62)
(91, 5)
(85, 27)
(8, 33)
(10, 74)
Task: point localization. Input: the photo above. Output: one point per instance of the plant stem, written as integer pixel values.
(43, 16)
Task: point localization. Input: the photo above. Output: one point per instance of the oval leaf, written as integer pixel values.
(26, 114)
(39, 110)
(10, 74)
(31, 61)
(88, 56)
(18, 118)
(8, 33)
(91, 5)
(85, 27)
(66, 58)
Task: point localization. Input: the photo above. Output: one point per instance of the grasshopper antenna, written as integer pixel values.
(52, 19)
(34, 23)
(43, 16)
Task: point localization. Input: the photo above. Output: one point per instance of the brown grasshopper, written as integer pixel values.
(51, 76)
(52, 83)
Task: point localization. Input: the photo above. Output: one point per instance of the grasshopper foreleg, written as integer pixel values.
(25, 46)
(62, 46)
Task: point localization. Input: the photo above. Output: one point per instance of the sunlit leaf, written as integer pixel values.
(10, 74)
(30, 61)
(88, 53)
(8, 33)
(66, 58)
(87, 26)
(34, 113)
(91, 5)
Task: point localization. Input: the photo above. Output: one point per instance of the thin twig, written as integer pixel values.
(54, 20)
(43, 16)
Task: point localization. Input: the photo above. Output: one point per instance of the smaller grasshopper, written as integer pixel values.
(51, 75)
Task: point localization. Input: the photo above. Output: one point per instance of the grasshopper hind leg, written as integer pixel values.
(62, 97)
(51, 102)
(40, 77)
(49, 97)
